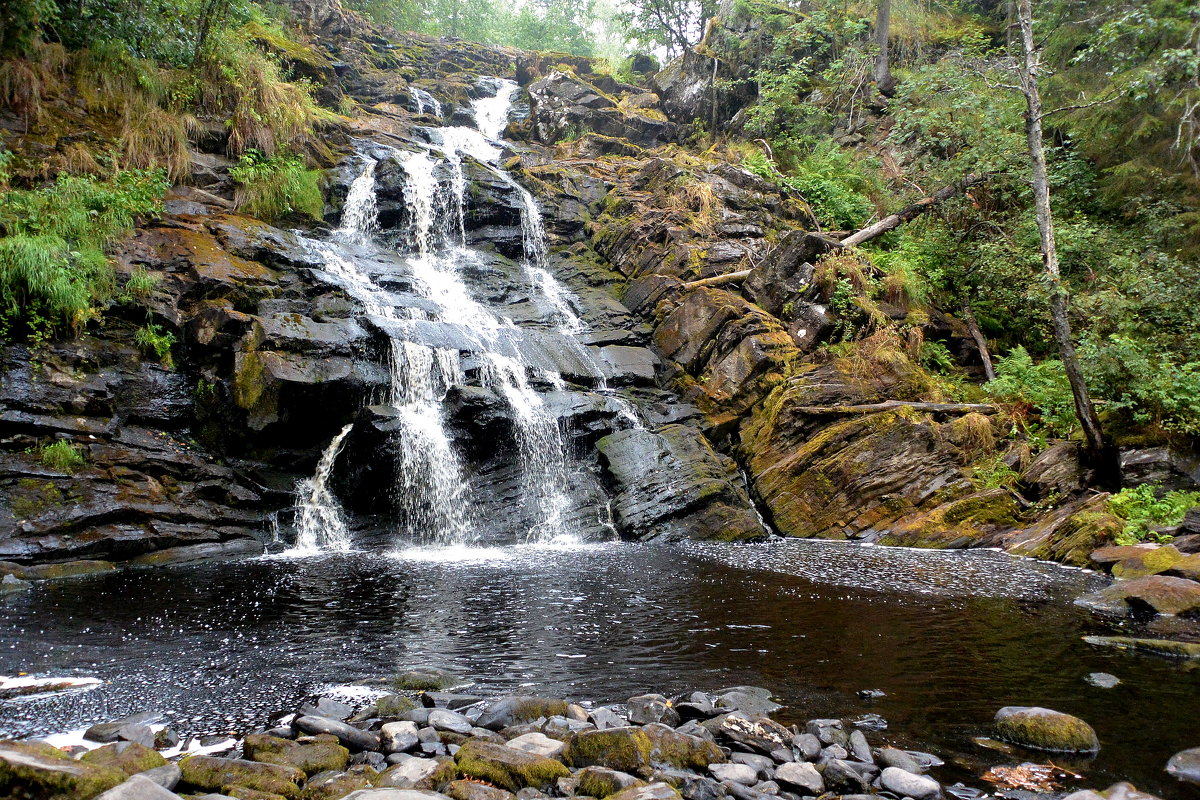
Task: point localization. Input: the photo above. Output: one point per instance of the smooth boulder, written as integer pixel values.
(50, 774)
(1185, 766)
(1044, 729)
(508, 767)
(216, 774)
(908, 784)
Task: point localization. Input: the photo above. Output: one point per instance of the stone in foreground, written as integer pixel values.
(138, 788)
(508, 767)
(218, 774)
(906, 784)
(1185, 766)
(1043, 729)
(47, 773)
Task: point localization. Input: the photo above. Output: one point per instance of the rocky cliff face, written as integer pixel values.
(275, 357)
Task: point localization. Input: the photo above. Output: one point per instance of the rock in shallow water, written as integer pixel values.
(1044, 729)
(1103, 680)
(907, 784)
(1185, 766)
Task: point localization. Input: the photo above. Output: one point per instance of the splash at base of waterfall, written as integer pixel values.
(320, 525)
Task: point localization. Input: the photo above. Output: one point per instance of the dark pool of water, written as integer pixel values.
(949, 636)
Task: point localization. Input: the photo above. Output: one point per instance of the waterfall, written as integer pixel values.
(423, 100)
(432, 494)
(320, 525)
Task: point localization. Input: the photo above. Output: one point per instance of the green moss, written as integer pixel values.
(393, 705)
(333, 785)
(311, 754)
(1158, 647)
(425, 680)
(1152, 562)
(507, 767)
(38, 770)
(33, 496)
(598, 783)
(219, 774)
(1042, 729)
(623, 749)
(129, 757)
(242, 793)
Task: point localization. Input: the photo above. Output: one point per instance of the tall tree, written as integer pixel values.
(884, 81)
(1028, 69)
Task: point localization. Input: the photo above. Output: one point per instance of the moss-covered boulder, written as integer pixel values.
(640, 751)
(509, 711)
(242, 793)
(600, 782)
(418, 773)
(393, 705)
(310, 754)
(1044, 729)
(652, 791)
(129, 757)
(507, 767)
(425, 679)
(625, 749)
(1161, 594)
(38, 770)
(474, 790)
(1159, 647)
(333, 785)
(1150, 561)
(219, 774)
(1070, 534)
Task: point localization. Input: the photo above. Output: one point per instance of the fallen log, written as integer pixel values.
(717, 280)
(911, 212)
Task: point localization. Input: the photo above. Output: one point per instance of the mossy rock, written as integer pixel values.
(39, 770)
(425, 679)
(69, 569)
(671, 749)
(600, 782)
(1044, 729)
(242, 793)
(474, 790)
(624, 749)
(395, 705)
(1159, 647)
(310, 754)
(333, 785)
(218, 774)
(1149, 562)
(129, 757)
(508, 767)
(509, 711)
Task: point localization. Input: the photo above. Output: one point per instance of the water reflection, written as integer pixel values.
(949, 637)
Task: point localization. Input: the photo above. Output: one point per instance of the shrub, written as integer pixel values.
(828, 178)
(62, 456)
(272, 187)
(141, 284)
(153, 340)
(53, 267)
(1035, 388)
(1146, 506)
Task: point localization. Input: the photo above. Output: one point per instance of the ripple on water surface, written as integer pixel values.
(949, 636)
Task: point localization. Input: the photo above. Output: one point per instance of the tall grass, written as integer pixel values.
(53, 266)
(275, 186)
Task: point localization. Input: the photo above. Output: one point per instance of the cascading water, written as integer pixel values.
(320, 524)
(432, 493)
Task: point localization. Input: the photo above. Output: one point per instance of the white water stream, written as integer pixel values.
(432, 494)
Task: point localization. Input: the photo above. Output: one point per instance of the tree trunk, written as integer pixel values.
(1084, 409)
(985, 355)
(883, 72)
(911, 212)
(718, 280)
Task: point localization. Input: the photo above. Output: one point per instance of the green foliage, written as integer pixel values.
(141, 284)
(831, 180)
(151, 339)
(994, 473)
(53, 267)
(61, 455)
(936, 356)
(270, 188)
(1147, 506)
(1146, 384)
(1040, 389)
